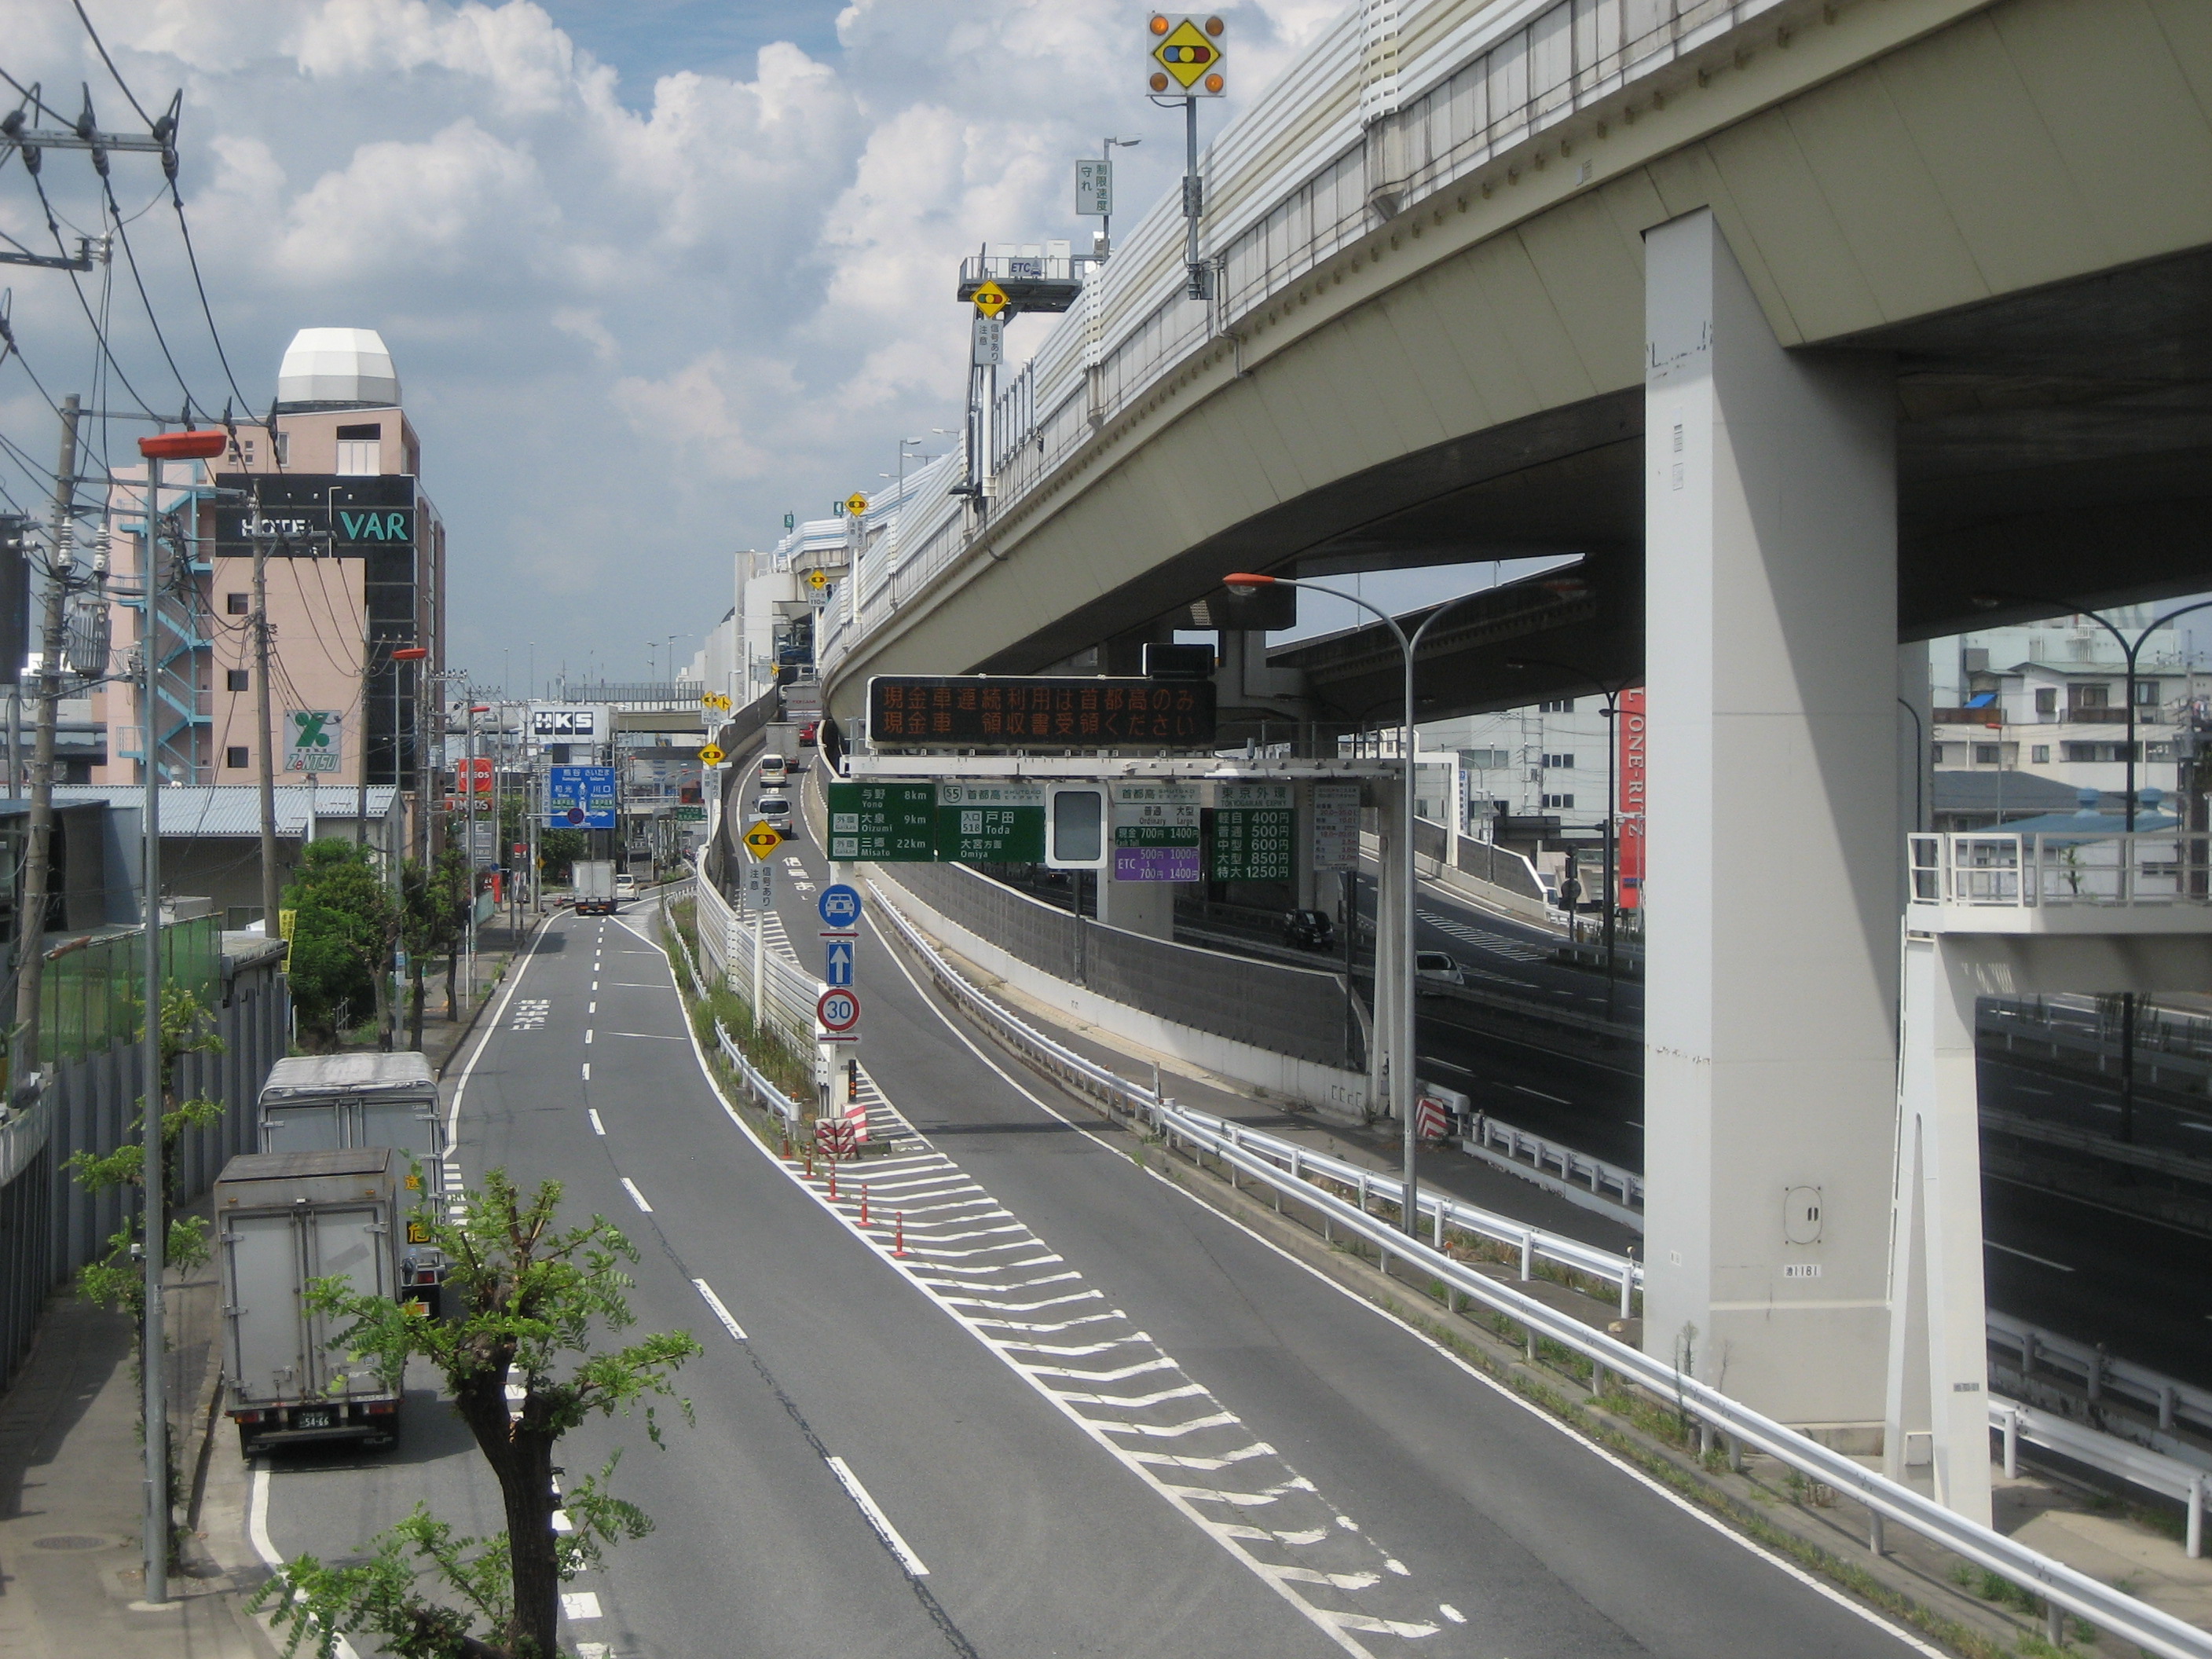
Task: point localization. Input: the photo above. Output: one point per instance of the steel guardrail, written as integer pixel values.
(2063, 1586)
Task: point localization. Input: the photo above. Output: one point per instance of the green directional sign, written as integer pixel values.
(883, 822)
(1253, 824)
(990, 822)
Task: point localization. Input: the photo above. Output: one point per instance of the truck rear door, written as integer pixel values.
(262, 1281)
(411, 1127)
(308, 1126)
(355, 1245)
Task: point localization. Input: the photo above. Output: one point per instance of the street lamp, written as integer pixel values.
(2130, 649)
(1611, 696)
(1401, 1036)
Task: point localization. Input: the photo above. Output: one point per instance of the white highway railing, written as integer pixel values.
(1262, 1159)
(762, 1090)
(2095, 865)
(1576, 1169)
(2176, 1404)
(2154, 1471)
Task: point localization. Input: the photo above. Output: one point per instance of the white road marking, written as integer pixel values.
(587, 1036)
(453, 1112)
(636, 1196)
(1557, 1100)
(592, 1112)
(721, 1313)
(1451, 1612)
(651, 1036)
(2039, 1260)
(587, 1070)
(594, 1007)
(256, 1534)
(878, 1519)
(595, 985)
(580, 1604)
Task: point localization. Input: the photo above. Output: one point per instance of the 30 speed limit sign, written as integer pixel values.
(837, 1012)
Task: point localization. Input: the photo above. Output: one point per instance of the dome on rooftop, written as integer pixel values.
(337, 369)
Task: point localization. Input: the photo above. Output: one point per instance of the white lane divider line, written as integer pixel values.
(592, 1112)
(587, 1070)
(256, 1534)
(729, 1323)
(587, 1036)
(636, 1196)
(878, 1519)
(1451, 1612)
(594, 1008)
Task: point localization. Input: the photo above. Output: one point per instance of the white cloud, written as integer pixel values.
(633, 330)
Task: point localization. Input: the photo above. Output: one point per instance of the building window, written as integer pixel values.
(2146, 694)
(1564, 802)
(1986, 754)
(239, 759)
(1558, 763)
(1564, 706)
(1938, 753)
(2089, 696)
(2046, 700)
(238, 605)
(237, 679)
(2039, 754)
(2096, 751)
(359, 453)
(1486, 760)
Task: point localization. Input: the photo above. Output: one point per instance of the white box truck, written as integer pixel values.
(594, 882)
(333, 1103)
(282, 1220)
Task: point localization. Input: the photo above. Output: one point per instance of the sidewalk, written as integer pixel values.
(71, 1502)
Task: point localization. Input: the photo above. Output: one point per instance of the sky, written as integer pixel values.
(653, 272)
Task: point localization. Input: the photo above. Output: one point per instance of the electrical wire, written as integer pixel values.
(130, 259)
(101, 46)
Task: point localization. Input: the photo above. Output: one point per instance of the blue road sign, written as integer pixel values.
(840, 906)
(838, 964)
(587, 789)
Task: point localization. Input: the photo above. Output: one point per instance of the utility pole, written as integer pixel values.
(269, 892)
(30, 944)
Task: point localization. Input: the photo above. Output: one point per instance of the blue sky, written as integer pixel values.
(645, 39)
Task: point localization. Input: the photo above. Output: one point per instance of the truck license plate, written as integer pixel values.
(311, 1419)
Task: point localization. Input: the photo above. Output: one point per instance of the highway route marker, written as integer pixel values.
(761, 839)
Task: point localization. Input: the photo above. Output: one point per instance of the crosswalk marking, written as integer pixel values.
(976, 1259)
(1485, 940)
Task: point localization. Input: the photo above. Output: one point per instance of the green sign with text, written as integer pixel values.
(1253, 824)
(990, 822)
(883, 822)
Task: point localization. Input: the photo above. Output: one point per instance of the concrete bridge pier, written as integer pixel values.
(1771, 882)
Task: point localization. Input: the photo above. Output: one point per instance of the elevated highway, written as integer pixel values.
(1426, 344)
(1810, 330)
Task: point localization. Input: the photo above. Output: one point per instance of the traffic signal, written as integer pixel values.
(1186, 57)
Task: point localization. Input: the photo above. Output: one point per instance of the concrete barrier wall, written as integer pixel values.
(1274, 1028)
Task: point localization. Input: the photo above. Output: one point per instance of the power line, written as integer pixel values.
(101, 46)
(130, 259)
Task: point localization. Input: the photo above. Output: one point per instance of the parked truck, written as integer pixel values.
(330, 1103)
(282, 1220)
(594, 881)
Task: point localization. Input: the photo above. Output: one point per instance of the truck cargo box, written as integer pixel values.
(330, 1103)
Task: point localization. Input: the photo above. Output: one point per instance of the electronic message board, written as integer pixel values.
(990, 822)
(1252, 827)
(883, 822)
(1001, 712)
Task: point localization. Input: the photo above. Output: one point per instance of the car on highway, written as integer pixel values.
(774, 769)
(806, 735)
(1432, 969)
(625, 887)
(1308, 930)
(775, 809)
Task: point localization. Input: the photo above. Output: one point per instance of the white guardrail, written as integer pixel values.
(762, 1090)
(1271, 1162)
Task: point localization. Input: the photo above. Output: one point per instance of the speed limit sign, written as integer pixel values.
(838, 1012)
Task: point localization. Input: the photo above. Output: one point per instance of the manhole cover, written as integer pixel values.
(70, 1540)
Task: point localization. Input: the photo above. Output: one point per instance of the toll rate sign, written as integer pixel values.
(1155, 832)
(1252, 829)
(990, 822)
(883, 822)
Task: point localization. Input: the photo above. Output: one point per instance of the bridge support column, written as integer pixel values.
(1138, 907)
(1772, 881)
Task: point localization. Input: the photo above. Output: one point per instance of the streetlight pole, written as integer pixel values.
(2130, 649)
(1401, 1007)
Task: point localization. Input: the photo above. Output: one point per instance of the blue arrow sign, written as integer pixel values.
(840, 906)
(838, 964)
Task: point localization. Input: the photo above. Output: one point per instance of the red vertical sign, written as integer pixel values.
(1629, 733)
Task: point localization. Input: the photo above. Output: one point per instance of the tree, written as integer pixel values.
(434, 915)
(117, 1280)
(341, 938)
(524, 1298)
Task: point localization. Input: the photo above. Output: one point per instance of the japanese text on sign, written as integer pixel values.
(883, 822)
(1336, 826)
(1155, 832)
(983, 712)
(990, 822)
(1252, 827)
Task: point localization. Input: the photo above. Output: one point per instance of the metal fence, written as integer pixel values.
(50, 1226)
(2093, 866)
(788, 992)
(1246, 1155)
(93, 993)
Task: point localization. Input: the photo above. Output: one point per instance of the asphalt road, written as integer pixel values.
(1285, 1471)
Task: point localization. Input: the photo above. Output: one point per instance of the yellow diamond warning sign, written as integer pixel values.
(991, 299)
(1187, 53)
(817, 579)
(712, 755)
(761, 839)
